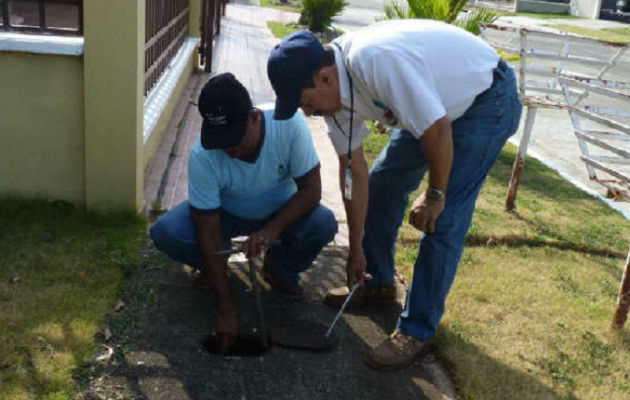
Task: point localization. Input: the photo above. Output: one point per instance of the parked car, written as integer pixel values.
(616, 10)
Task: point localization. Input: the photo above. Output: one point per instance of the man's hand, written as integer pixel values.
(227, 324)
(425, 212)
(259, 241)
(355, 269)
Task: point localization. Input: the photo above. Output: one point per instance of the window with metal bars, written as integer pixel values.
(57, 17)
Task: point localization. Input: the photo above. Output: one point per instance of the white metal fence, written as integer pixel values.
(583, 76)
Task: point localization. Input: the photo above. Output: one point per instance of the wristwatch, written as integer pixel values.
(436, 194)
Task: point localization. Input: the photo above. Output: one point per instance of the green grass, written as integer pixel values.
(607, 34)
(280, 30)
(289, 5)
(529, 312)
(507, 56)
(60, 275)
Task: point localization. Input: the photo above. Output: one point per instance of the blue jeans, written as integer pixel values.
(478, 137)
(175, 234)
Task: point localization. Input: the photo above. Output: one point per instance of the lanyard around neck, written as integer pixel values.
(351, 109)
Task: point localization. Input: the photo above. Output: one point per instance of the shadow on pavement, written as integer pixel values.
(163, 359)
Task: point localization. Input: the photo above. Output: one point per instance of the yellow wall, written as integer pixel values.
(114, 80)
(195, 18)
(71, 127)
(41, 126)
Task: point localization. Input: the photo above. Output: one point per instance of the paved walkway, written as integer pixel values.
(578, 22)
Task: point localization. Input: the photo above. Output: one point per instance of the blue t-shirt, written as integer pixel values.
(253, 190)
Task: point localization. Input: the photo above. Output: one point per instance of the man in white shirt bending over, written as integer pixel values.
(454, 102)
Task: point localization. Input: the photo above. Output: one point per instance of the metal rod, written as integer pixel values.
(5, 14)
(42, 14)
(263, 327)
(343, 306)
(239, 249)
(623, 298)
(228, 252)
(519, 162)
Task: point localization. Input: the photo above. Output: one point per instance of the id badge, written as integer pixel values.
(347, 192)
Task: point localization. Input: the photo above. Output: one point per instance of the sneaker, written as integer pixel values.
(386, 295)
(293, 291)
(397, 351)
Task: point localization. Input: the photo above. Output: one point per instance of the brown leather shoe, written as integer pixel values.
(397, 351)
(386, 295)
(293, 291)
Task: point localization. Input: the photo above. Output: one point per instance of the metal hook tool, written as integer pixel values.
(252, 277)
(343, 307)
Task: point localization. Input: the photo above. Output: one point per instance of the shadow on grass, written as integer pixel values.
(489, 378)
(524, 241)
(537, 178)
(475, 239)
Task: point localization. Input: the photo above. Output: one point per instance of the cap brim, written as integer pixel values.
(226, 136)
(286, 106)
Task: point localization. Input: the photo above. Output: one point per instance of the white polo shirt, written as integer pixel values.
(408, 74)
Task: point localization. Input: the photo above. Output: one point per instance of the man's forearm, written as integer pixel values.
(215, 266)
(356, 209)
(216, 272)
(437, 143)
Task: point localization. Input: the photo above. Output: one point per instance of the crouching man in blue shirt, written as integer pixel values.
(248, 174)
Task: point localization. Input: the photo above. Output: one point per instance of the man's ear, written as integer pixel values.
(254, 115)
(326, 74)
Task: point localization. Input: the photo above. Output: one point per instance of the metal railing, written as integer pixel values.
(165, 31)
(57, 17)
(575, 67)
(211, 12)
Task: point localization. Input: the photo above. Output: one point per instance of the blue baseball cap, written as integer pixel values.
(290, 67)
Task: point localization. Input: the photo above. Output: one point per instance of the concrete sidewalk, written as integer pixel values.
(533, 22)
(162, 357)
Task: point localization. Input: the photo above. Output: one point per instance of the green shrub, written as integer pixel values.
(441, 10)
(318, 14)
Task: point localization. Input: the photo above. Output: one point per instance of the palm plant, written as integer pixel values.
(318, 14)
(441, 10)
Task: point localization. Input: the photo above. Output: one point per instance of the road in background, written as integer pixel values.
(359, 13)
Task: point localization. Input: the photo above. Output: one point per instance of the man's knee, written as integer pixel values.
(160, 235)
(329, 225)
(320, 229)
